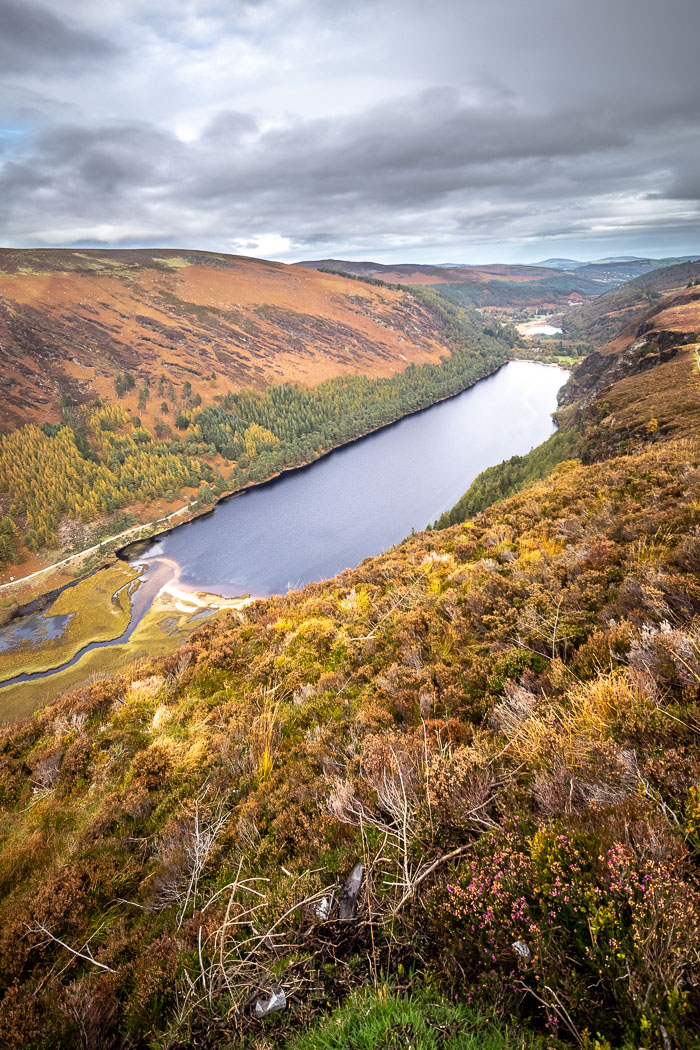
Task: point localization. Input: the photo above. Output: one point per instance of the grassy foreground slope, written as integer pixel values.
(499, 721)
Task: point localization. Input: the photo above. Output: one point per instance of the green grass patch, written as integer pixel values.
(158, 632)
(176, 262)
(383, 1019)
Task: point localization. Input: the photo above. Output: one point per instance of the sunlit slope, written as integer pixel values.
(498, 721)
(72, 321)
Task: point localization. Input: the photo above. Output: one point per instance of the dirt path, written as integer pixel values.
(92, 550)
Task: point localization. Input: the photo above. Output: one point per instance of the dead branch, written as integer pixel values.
(78, 954)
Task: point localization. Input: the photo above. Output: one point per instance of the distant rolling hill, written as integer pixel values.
(492, 287)
(72, 321)
(600, 320)
(615, 270)
(558, 263)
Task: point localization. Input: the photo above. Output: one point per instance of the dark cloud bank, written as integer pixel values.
(285, 128)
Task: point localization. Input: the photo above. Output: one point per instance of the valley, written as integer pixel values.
(349, 525)
(124, 446)
(358, 501)
(489, 726)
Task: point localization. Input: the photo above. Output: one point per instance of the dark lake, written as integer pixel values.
(312, 523)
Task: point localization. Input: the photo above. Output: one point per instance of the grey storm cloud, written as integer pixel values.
(31, 35)
(400, 130)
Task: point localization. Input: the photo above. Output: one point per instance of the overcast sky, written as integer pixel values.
(432, 130)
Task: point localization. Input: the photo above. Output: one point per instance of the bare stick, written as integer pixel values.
(39, 928)
(428, 871)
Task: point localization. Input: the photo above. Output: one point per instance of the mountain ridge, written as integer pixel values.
(73, 321)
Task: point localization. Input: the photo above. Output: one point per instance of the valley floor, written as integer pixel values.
(82, 602)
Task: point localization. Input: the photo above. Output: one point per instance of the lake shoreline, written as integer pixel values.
(187, 596)
(122, 552)
(51, 592)
(45, 596)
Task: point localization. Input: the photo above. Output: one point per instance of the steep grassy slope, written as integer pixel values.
(635, 390)
(71, 322)
(499, 721)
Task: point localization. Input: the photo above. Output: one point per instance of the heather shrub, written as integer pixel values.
(151, 985)
(151, 767)
(582, 932)
(512, 664)
(74, 767)
(459, 785)
(602, 650)
(670, 657)
(27, 1021)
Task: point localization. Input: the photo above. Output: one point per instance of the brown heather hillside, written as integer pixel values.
(71, 321)
(499, 721)
(643, 384)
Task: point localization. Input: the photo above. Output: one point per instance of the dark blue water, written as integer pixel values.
(363, 498)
